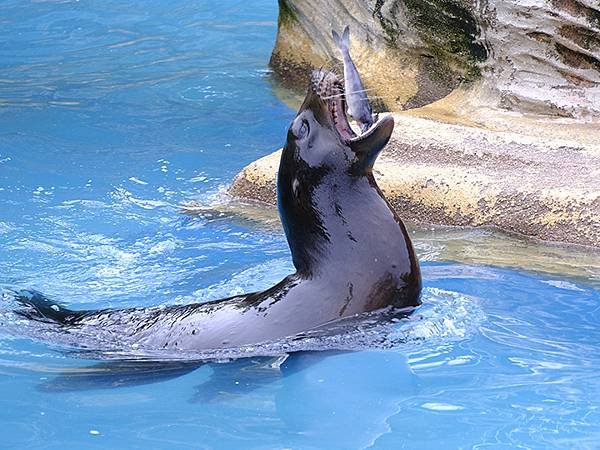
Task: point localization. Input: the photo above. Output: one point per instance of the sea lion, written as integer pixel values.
(351, 252)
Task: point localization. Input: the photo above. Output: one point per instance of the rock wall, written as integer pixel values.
(544, 55)
(531, 56)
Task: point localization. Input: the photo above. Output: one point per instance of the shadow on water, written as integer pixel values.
(116, 374)
(240, 377)
(228, 378)
(305, 388)
(319, 395)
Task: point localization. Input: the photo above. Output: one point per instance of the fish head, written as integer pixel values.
(321, 134)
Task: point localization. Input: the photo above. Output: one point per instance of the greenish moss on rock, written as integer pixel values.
(287, 14)
(448, 29)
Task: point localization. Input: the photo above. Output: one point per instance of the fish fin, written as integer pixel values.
(116, 374)
(346, 37)
(336, 38)
(342, 42)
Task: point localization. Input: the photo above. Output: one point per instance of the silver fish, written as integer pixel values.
(356, 98)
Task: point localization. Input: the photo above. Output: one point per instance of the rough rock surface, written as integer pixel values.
(539, 57)
(433, 172)
(409, 54)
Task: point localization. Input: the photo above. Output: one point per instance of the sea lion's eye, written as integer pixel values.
(304, 129)
(301, 129)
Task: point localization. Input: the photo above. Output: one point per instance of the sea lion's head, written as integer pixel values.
(321, 135)
(323, 154)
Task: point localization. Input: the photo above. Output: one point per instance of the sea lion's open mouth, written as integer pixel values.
(330, 89)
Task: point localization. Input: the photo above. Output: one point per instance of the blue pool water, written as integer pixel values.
(112, 115)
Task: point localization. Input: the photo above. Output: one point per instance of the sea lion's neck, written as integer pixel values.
(344, 222)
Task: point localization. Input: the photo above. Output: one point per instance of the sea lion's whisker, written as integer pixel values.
(335, 65)
(351, 92)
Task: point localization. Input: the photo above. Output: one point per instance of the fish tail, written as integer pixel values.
(342, 42)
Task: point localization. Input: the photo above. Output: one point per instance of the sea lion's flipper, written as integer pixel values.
(41, 308)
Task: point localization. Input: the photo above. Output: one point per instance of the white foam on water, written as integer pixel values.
(441, 407)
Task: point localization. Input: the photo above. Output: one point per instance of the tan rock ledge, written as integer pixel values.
(543, 182)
